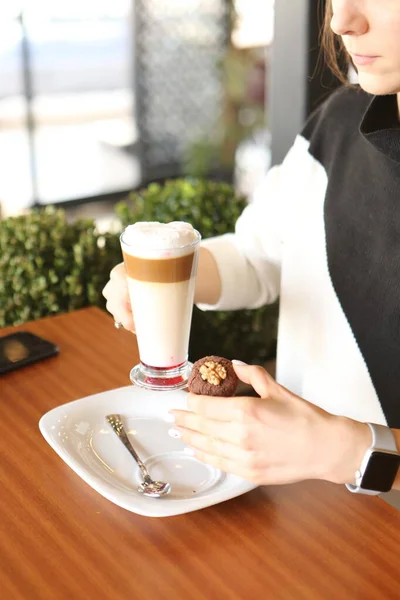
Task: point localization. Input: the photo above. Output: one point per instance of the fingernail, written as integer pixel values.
(189, 451)
(175, 433)
(240, 363)
(169, 418)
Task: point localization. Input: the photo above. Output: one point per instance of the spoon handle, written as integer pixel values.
(118, 428)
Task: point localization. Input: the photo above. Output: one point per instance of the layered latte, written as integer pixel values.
(161, 262)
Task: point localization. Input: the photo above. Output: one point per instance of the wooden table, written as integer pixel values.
(60, 540)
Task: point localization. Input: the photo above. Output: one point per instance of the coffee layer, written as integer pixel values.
(165, 270)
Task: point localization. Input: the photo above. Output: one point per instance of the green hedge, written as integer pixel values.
(50, 266)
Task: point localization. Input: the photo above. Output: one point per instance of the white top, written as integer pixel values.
(279, 249)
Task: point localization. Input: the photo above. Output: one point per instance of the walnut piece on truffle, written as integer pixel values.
(213, 376)
(213, 372)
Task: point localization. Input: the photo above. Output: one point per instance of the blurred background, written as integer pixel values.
(99, 97)
(113, 111)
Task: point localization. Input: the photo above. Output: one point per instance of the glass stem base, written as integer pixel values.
(154, 378)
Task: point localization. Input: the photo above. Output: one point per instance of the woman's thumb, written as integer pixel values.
(253, 375)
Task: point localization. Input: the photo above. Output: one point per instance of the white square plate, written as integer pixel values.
(80, 435)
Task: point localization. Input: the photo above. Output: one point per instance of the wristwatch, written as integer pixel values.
(380, 464)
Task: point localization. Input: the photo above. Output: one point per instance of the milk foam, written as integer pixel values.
(149, 238)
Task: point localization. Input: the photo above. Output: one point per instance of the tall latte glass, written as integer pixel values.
(161, 265)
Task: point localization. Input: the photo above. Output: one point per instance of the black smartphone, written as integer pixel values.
(22, 348)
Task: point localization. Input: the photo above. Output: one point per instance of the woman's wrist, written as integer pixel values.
(208, 282)
(347, 441)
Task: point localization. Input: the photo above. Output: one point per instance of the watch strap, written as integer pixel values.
(382, 440)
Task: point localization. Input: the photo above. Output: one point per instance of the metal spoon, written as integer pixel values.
(149, 487)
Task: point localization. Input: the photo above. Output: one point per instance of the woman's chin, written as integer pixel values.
(378, 86)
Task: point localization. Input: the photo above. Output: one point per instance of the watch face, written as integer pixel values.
(381, 472)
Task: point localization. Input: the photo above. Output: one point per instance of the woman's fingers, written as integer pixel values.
(235, 433)
(214, 445)
(117, 296)
(220, 408)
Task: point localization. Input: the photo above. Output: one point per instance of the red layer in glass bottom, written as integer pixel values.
(163, 368)
(164, 381)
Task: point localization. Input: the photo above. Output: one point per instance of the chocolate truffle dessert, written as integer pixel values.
(213, 376)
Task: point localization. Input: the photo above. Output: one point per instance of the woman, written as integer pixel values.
(323, 233)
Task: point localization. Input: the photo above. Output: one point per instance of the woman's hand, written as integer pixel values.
(117, 296)
(275, 439)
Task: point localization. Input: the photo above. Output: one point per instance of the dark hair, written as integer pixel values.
(336, 56)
